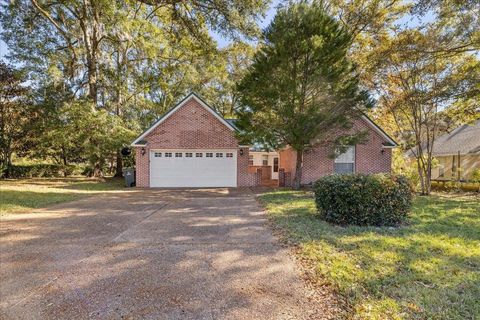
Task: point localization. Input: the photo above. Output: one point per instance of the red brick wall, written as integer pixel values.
(245, 178)
(191, 127)
(317, 163)
(142, 168)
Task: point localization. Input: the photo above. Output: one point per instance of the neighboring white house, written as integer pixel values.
(265, 158)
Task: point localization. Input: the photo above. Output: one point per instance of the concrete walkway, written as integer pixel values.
(150, 254)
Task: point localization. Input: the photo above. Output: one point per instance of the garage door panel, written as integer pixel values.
(193, 171)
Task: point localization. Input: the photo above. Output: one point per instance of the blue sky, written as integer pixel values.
(3, 47)
(222, 42)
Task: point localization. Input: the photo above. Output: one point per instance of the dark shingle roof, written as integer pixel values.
(464, 139)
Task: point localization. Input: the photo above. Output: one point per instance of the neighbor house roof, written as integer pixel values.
(140, 140)
(464, 140)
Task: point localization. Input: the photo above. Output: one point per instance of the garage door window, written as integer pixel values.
(157, 154)
(229, 155)
(168, 154)
(188, 154)
(178, 154)
(209, 155)
(219, 155)
(198, 154)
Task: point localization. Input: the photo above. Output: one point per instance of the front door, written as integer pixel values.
(275, 168)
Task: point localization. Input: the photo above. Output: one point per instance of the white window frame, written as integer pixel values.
(209, 154)
(157, 154)
(188, 155)
(264, 160)
(229, 155)
(219, 155)
(168, 154)
(340, 159)
(198, 154)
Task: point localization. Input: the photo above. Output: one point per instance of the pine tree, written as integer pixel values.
(302, 85)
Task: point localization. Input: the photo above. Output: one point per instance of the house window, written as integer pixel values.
(265, 160)
(198, 154)
(178, 154)
(250, 160)
(209, 155)
(229, 155)
(168, 154)
(345, 163)
(157, 154)
(275, 164)
(188, 154)
(219, 155)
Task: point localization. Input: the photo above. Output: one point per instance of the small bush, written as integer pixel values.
(38, 171)
(475, 176)
(358, 199)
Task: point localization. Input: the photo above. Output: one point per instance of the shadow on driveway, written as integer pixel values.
(152, 254)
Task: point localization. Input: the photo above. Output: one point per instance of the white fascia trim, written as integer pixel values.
(375, 127)
(172, 111)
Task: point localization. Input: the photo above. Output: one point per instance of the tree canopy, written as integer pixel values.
(130, 60)
(302, 84)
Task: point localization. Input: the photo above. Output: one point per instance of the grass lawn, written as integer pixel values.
(26, 194)
(429, 269)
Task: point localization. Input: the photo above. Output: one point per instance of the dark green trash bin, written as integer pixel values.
(129, 175)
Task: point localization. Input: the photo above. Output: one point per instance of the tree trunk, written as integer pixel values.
(298, 170)
(65, 162)
(97, 171)
(420, 175)
(428, 178)
(119, 167)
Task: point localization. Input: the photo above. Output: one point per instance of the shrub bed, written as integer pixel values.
(38, 171)
(358, 199)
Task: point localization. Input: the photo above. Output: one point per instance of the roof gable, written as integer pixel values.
(389, 142)
(139, 141)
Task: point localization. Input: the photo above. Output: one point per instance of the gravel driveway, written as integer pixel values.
(150, 254)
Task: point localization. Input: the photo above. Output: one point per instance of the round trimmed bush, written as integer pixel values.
(359, 199)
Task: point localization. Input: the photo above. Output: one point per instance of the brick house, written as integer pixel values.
(193, 146)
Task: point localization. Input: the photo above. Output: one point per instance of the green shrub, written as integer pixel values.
(358, 199)
(39, 171)
(475, 175)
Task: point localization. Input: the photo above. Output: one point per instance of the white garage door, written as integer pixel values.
(193, 168)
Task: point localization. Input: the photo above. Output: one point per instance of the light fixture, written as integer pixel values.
(383, 151)
(143, 151)
(241, 151)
